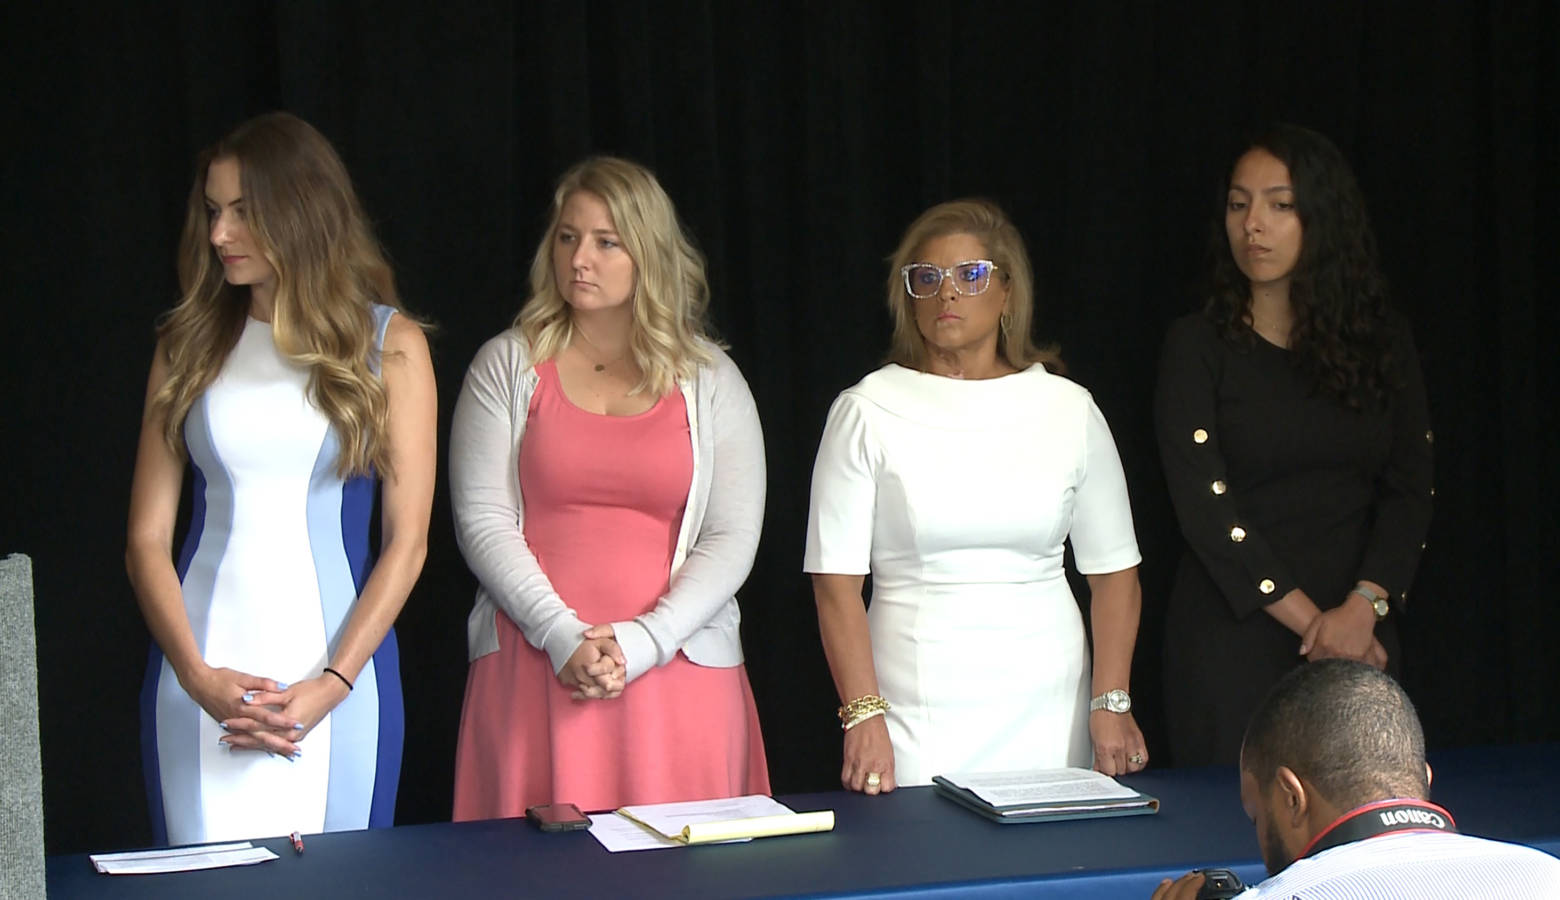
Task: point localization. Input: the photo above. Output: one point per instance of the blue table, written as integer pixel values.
(910, 843)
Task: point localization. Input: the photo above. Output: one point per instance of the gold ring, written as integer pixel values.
(1136, 759)
(874, 779)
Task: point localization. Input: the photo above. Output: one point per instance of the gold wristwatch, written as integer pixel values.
(1378, 602)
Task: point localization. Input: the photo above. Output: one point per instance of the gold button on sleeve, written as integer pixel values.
(1218, 487)
(1200, 436)
(1266, 586)
(1429, 437)
(1237, 534)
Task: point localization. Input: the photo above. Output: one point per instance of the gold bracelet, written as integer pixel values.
(861, 718)
(856, 710)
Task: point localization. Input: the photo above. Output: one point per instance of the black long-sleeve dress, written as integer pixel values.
(1276, 485)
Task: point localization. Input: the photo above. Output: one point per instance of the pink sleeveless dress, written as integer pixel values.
(604, 497)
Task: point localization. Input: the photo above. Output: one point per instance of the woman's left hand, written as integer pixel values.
(1119, 748)
(304, 703)
(1347, 630)
(610, 672)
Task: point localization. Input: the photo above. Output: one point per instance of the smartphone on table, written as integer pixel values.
(557, 817)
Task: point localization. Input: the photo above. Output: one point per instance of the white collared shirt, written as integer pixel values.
(1408, 865)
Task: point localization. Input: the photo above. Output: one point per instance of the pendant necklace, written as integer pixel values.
(600, 366)
(1272, 331)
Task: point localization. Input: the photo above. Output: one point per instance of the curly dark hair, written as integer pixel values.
(1341, 337)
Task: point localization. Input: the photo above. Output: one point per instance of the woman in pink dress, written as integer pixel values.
(607, 473)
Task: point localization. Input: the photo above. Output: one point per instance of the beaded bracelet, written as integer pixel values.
(341, 676)
(861, 709)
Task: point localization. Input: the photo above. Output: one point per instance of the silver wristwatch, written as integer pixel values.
(1117, 701)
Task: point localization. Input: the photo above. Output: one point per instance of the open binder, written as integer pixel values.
(1046, 795)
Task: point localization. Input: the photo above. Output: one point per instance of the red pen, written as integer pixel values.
(297, 842)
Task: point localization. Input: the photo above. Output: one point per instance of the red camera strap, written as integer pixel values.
(1381, 817)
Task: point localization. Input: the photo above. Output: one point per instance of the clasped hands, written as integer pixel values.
(597, 670)
(1347, 631)
(261, 713)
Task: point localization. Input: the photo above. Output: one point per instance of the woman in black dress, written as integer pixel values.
(1295, 438)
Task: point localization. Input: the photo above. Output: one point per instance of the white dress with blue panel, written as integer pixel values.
(276, 555)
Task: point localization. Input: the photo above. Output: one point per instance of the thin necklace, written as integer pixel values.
(1277, 327)
(600, 366)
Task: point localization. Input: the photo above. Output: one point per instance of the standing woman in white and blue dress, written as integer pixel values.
(295, 386)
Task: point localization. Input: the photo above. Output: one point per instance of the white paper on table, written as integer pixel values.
(1042, 786)
(180, 859)
(618, 834)
(671, 818)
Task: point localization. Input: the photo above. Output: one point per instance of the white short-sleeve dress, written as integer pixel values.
(957, 498)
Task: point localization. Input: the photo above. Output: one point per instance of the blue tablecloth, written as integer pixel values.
(911, 843)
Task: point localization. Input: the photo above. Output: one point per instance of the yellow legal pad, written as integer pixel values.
(733, 819)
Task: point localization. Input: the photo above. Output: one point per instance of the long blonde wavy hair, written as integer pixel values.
(986, 222)
(305, 219)
(671, 293)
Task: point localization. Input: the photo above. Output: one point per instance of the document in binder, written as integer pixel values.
(731, 819)
(1044, 795)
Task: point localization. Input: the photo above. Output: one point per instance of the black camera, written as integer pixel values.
(1219, 884)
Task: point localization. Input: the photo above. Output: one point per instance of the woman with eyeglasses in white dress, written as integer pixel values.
(954, 475)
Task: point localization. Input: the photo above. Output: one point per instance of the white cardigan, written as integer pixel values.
(715, 542)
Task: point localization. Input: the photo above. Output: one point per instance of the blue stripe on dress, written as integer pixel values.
(354, 725)
(149, 770)
(174, 716)
(392, 731)
(356, 511)
(381, 678)
(382, 316)
(154, 659)
(199, 577)
(367, 727)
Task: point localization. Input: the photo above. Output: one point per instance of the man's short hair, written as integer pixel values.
(1343, 726)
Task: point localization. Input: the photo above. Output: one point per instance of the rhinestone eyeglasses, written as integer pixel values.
(971, 277)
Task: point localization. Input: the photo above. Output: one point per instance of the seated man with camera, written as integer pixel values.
(1333, 775)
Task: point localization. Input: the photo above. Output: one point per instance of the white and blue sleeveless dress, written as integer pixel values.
(276, 555)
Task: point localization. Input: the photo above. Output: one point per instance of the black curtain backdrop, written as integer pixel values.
(798, 139)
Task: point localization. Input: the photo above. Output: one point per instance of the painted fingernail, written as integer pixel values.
(249, 698)
(281, 685)
(223, 726)
(222, 743)
(297, 754)
(297, 726)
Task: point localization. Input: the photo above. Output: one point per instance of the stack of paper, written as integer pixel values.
(180, 859)
(1044, 795)
(703, 821)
